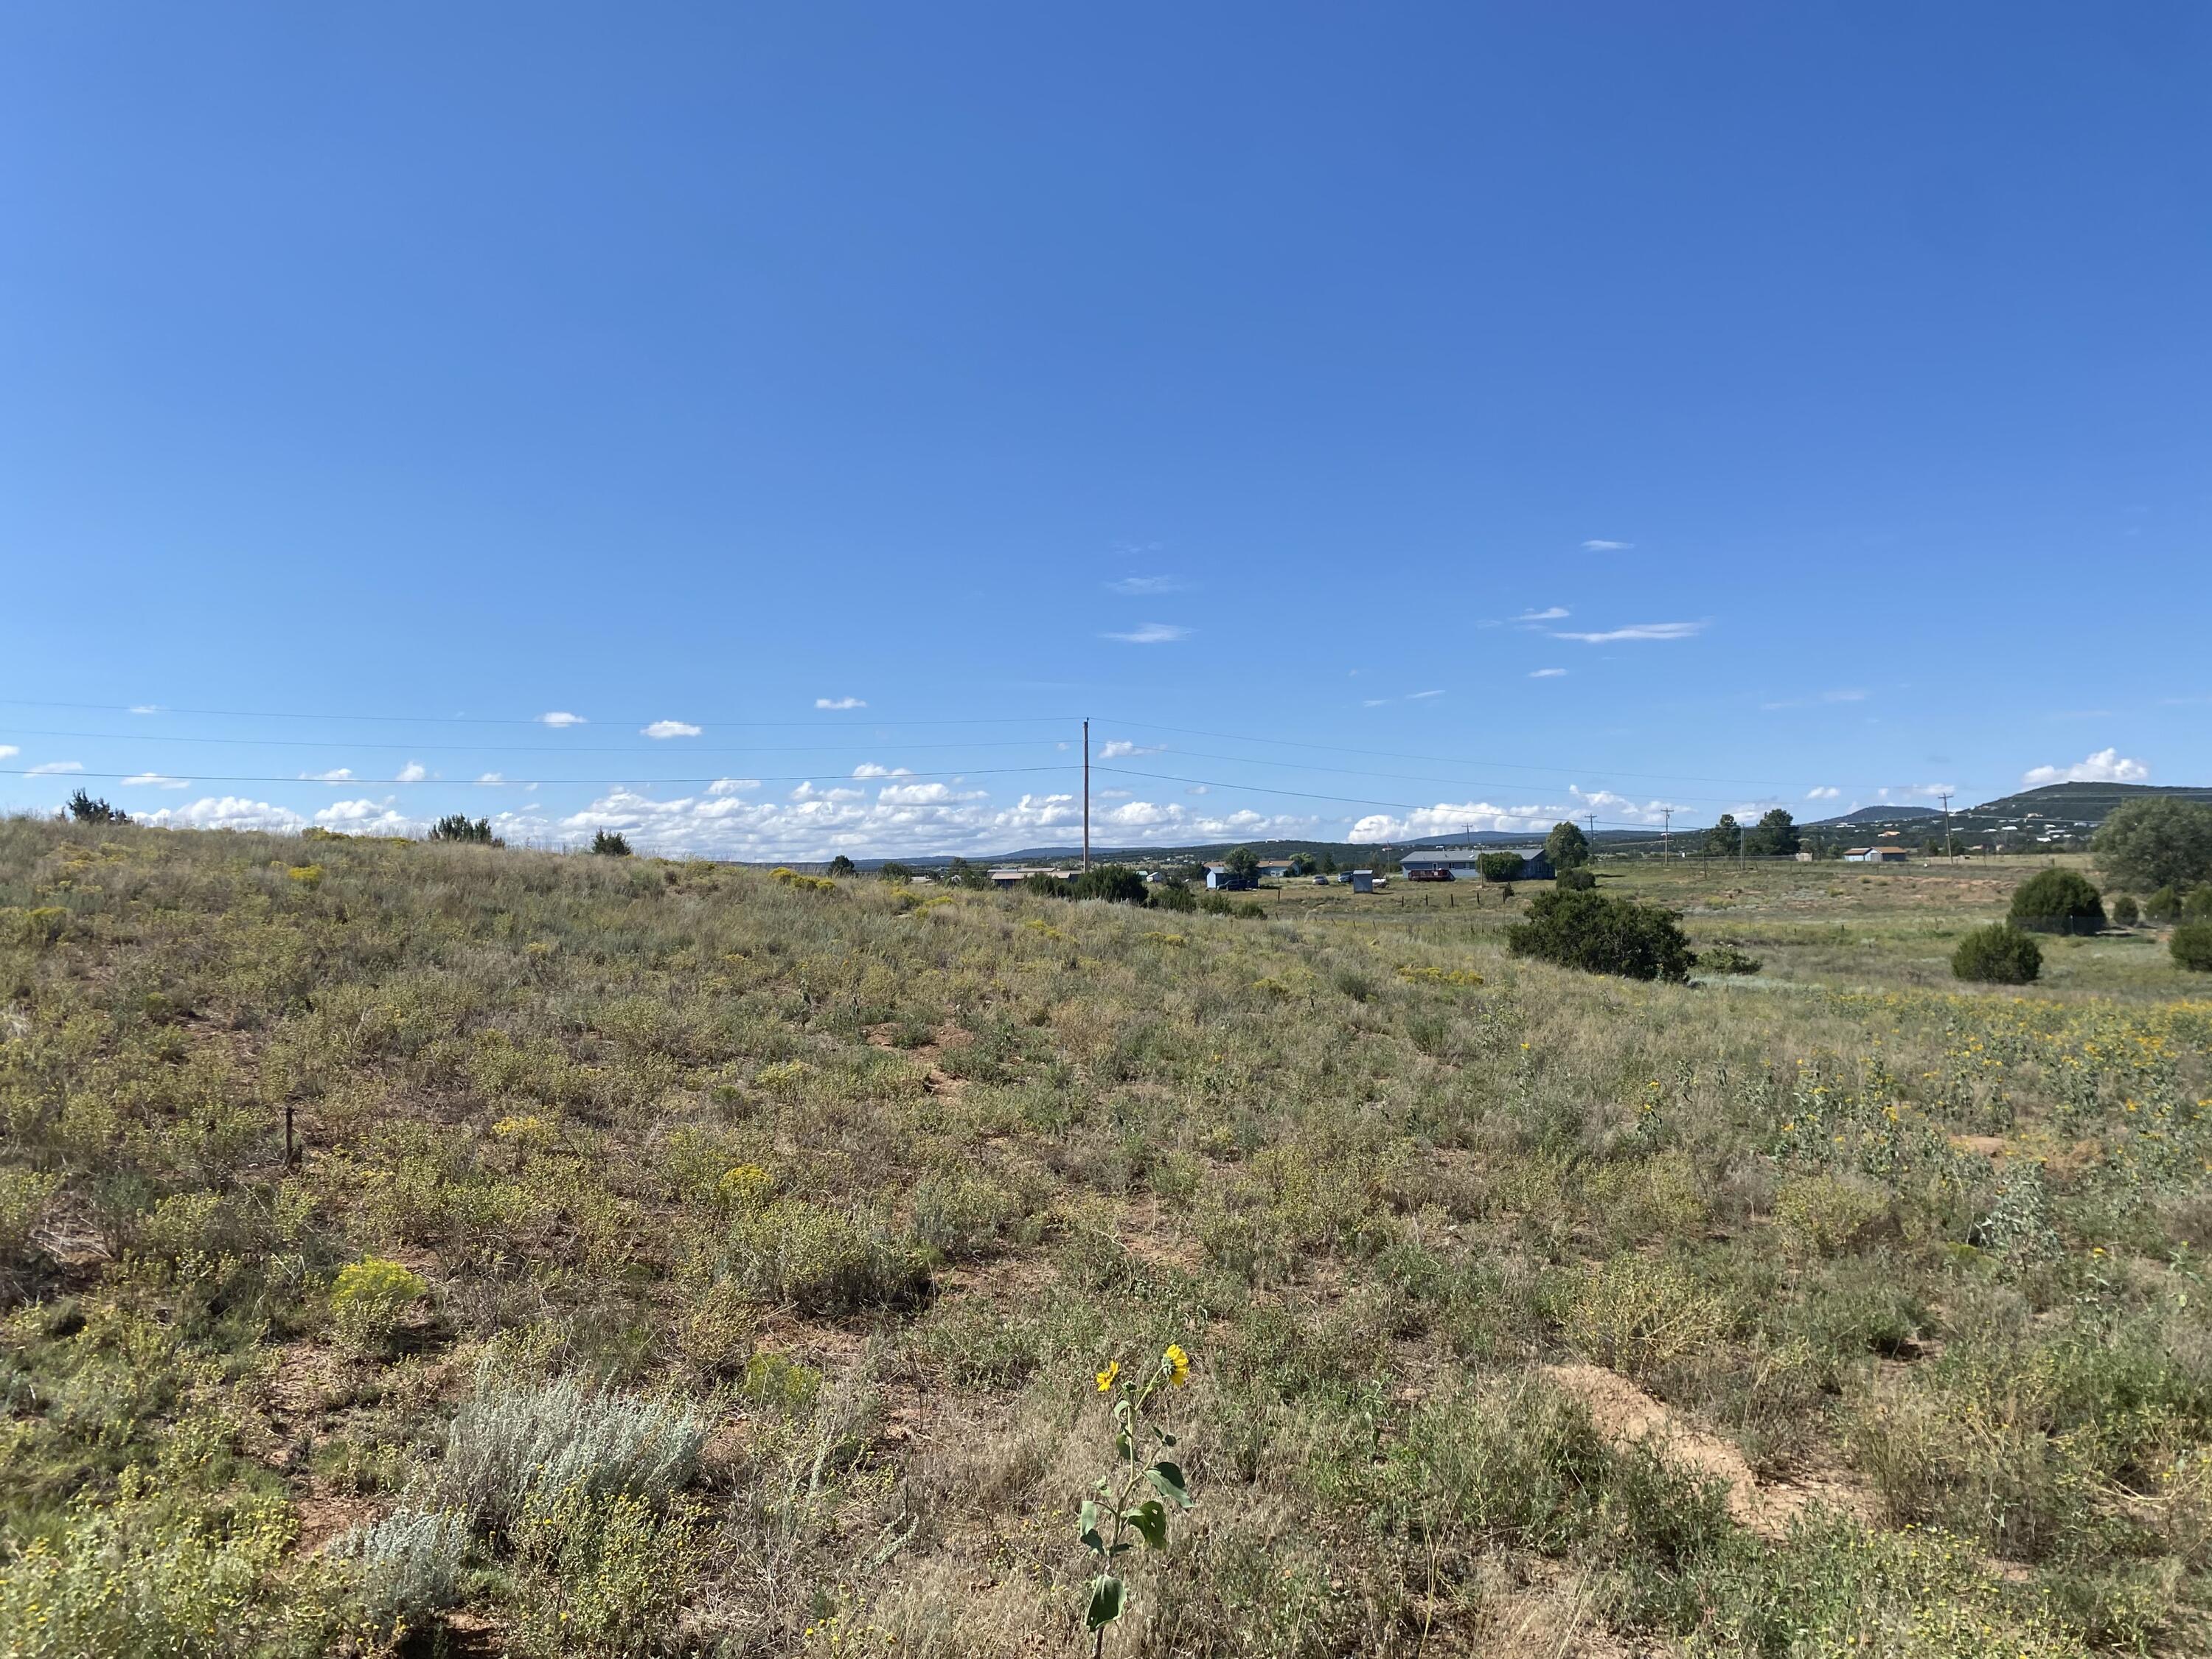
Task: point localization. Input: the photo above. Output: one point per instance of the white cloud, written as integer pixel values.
(926, 794)
(1534, 818)
(1373, 702)
(55, 769)
(1823, 792)
(1137, 586)
(225, 812)
(2105, 766)
(1595, 545)
(839, 702)
(336, 774)
(145, 708)
(810, 791)
(1552, 613)
(491, 777)
(732, 786)
(375, 818)
(1547, 673)
(560, 717)
(1122, 749)
(1151, 633)
(1921, 791)
(1199, 789)
(1671, 630)
(1112, 794)
(870, 769)
(413, 772)
(8, 751)
(669, 729)
(1419, 697)
(155, 780)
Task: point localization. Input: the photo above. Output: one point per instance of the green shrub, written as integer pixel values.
(841, 866)
(892, 870)
(369, 1298)
(1117, 883)
(601, 1576)
(1500, 867)
(24, 1196)
(1175, 895)
(613, 844)
(1601, 934)
(1577, 881)
(1999, 954)
(127, 1576)
(2163, 905)
(1046, 886)
(2196, 906)
(44, 925)
(820, 1261)
(2192, 946)
(1827, 1214)
(511, 1446)
(2125, 912)
(1728, 959)
(1635, 1315)
(409, 1564)
(2058, 902)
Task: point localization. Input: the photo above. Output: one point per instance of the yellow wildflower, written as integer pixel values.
(1178, 1364)
(1107, 1376)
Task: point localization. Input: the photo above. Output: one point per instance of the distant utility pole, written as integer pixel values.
(1086, 791)
(1741, 832)
(1666, 832)
(1592, 817)
(1947, 858)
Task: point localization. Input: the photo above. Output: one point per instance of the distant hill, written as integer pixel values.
(2055, 814)
(1874, 815)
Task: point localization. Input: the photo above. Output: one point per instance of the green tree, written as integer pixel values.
(2156, 840)
(1601, 934)
(892, 870)
(85, 810)
(1722, 839)
(1775, 837)
(1242, 863)
(961, 874)
(2192, 946)
(1499, 867)
(2058, 902)
(611, 843)
(841, 866)
(2125, 911)
(1567, 847)
(1045, 886)
(458, 826)
(1998, 954)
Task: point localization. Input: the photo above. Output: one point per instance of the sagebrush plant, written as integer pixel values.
(410, 1564)
(514, 1445)
(1137, 1497)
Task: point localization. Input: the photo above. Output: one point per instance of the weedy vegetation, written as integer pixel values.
(673, 1258)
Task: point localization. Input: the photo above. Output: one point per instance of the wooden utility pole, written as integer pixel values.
(1086, 791)
(1667, 832)
(1947, 858)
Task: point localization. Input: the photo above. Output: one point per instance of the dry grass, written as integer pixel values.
(871, 1185)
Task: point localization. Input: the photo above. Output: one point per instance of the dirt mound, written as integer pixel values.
(1627, 1415)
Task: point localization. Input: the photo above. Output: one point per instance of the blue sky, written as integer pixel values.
(1385, 422)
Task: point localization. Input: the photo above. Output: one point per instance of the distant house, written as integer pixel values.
(1804, 857)
(1015, 875)
(1362, 881)
(1222, 879)
(1442, 863)
(1878, 856)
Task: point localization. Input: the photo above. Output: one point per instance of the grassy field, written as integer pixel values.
(678, 1259)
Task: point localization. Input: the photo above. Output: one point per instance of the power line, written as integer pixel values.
(510, 719)
(886, 779)
(540, 748)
